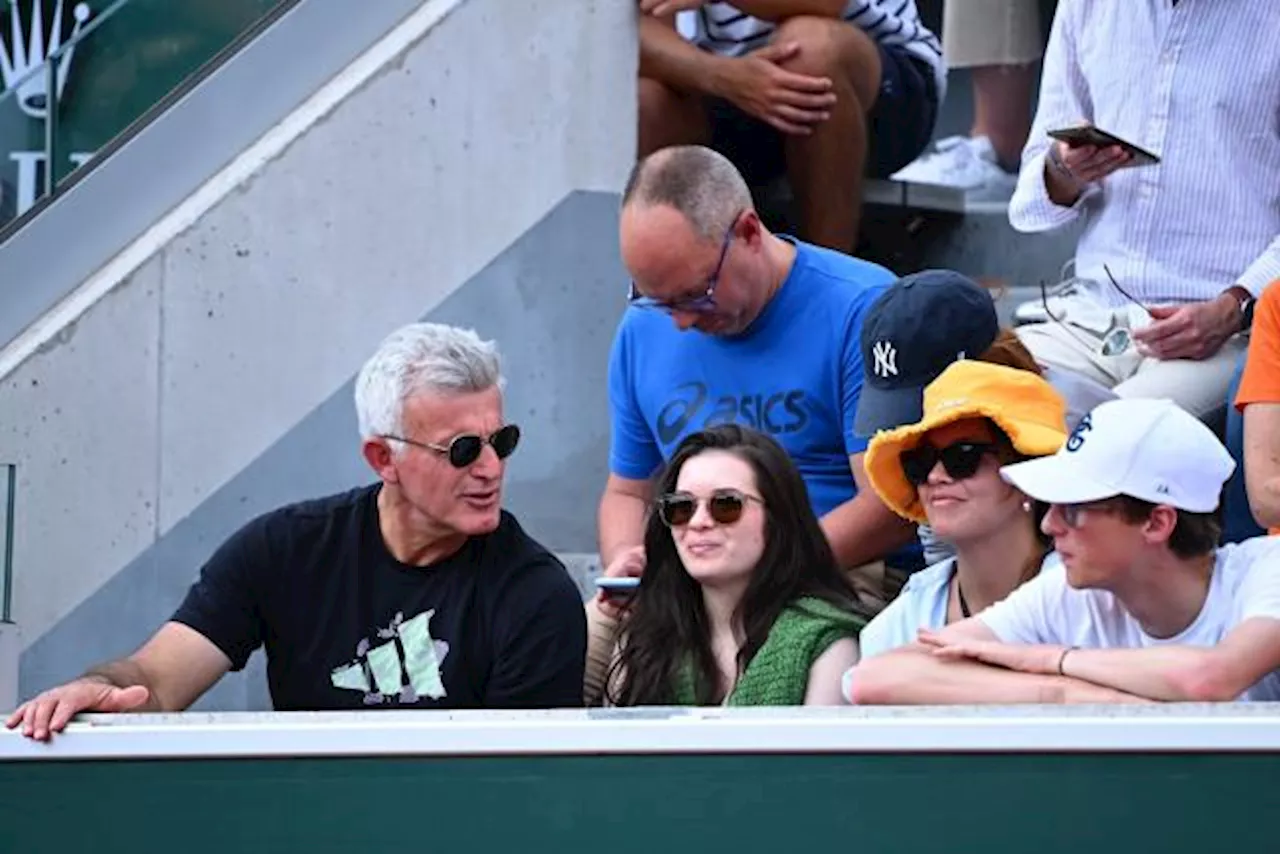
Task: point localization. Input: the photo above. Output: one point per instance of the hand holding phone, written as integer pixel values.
(1083, 136)
(1086, 154)
(618, 587)
(620, 582)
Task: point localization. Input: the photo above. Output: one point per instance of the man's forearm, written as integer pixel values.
(915, 676)
(863, 530)
(1172, 673)
(126, 673)
(621, 524)
(668, 57)
(1262, 447)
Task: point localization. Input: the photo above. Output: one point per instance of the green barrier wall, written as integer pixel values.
(652, 804)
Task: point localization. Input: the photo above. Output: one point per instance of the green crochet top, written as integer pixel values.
(779, 673)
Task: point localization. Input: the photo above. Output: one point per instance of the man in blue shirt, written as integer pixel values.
(730, 323)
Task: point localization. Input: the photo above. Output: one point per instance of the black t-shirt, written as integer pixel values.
(346, 626)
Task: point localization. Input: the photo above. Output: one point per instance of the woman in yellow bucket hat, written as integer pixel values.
(945, 470)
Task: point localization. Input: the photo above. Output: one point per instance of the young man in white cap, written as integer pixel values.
(1143, 604)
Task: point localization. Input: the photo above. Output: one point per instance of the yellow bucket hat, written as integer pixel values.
(1021, 403)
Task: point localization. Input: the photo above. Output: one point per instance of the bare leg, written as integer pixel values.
(1002, 109)
(668, 117)
(826, 167)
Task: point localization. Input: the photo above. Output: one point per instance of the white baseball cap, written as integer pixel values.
(1152, 450)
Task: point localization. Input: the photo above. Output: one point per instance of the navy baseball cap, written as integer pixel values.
(911, 333)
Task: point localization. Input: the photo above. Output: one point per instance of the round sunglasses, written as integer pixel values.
(464, 449)
(725, 506)
(960, 460)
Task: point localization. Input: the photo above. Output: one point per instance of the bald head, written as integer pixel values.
(701, 184)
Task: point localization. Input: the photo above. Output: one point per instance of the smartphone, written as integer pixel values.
(618, 586)
(1090, 135)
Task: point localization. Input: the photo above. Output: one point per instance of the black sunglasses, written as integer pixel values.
(464, 449)
(725, 506)
(960, 460)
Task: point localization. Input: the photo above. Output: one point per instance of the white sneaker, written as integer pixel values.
(965, 164)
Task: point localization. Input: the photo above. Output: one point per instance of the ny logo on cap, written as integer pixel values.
(1076, 440)
(886, 359)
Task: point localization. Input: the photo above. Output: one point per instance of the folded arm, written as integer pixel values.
(917, 675)
(1174, 672)
(1186, 673)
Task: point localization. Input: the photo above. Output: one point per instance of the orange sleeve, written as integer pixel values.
(1261, 380)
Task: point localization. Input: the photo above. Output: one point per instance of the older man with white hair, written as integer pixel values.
(418, 591)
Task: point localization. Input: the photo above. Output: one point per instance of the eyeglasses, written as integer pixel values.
(1116, 341)
(1130, 297)
(464, 449)
(960, 460)
(699, 304)
(726, 506)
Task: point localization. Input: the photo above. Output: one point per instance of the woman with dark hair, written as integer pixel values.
(945, 470)
(741, 602)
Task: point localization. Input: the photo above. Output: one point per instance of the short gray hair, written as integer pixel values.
(421, 358)
(700, 183)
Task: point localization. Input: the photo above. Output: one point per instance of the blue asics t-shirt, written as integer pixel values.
(794, 373)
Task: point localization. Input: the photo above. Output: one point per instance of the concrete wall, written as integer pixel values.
(134, 407)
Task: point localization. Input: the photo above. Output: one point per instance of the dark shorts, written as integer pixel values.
(901, 123)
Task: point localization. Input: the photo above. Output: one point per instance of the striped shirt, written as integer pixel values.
(721, 28)
(1196, 83)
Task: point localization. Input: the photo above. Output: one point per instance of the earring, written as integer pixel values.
(1026, 507)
